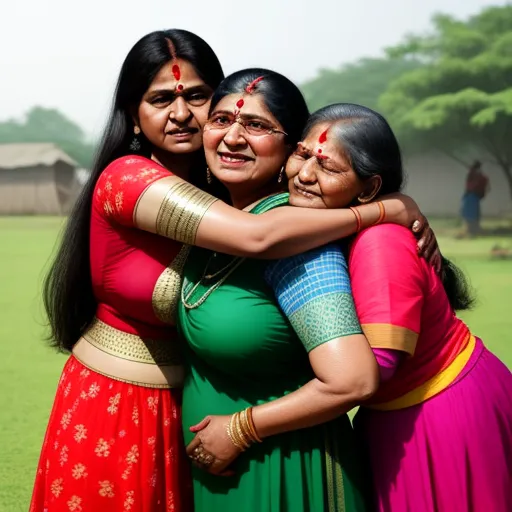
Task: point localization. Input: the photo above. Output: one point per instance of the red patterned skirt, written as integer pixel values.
(112, 446)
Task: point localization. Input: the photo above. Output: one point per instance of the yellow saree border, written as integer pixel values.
(433, 386)
(390, 336)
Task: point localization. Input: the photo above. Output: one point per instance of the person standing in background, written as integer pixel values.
(477, 186)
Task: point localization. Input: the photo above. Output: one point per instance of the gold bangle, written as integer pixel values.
(246, 429)
(244, 423)
(241, 435)
(233, 433)
(355, 211)
(181, 212)
(382, 211)
(252, 427)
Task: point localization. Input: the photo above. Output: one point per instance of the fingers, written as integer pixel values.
(417, 226)
(193, 445)
(201, 425)
(429, 246)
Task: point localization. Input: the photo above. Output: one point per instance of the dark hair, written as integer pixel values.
(372, 148)
(68, 295)
(280, 95)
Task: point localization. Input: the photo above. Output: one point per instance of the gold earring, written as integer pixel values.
(209, 176)
(136, 130)
(281, 174)
(364, 200)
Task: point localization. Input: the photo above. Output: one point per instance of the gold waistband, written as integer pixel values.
(433, 386)
(130, 346)
(130, 358)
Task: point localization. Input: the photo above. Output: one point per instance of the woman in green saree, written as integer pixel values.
(244, 352)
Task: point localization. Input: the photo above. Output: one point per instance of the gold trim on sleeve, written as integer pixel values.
(181, 212)
(167, 291)
(390, 336)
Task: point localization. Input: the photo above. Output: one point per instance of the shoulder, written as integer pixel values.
(122, 182)
(385, 235)
(134, 167)
(386, 244)
(320, 268)
(130, 171)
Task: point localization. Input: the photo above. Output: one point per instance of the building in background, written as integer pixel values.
(36, 179)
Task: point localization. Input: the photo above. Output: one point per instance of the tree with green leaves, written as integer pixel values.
(49, 125)
(362, 82)
(460, 100)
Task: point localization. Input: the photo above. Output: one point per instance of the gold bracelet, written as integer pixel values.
(382, 211)
(181, 212)
(241, 434)
(252, 427)
(359, 221)
(233, 433)
(244, 426)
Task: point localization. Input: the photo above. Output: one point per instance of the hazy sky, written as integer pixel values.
(66, 54)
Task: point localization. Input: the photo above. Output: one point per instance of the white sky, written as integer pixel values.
(66, 54)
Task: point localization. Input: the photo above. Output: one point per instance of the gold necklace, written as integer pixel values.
(186, 295)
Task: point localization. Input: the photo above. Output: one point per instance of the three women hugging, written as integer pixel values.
(237, 275)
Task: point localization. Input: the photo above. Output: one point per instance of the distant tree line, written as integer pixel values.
(49, 125)
(450, 91)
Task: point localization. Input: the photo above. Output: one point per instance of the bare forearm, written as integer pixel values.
(279, 233)
(311, 405)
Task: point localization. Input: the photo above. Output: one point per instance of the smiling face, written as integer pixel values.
(235, 152)
(172, 118)
(320, 174)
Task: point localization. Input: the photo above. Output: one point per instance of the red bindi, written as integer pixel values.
(179, 87)
(240, 103)
(319, 150)
(176, 71)
(322, 139)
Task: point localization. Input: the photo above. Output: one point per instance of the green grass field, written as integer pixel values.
(30, 370)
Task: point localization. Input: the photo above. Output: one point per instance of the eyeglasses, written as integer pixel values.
(253, 126)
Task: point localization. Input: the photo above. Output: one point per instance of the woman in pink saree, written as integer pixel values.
(438, 432)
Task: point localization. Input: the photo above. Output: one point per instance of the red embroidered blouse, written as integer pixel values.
(135, 274)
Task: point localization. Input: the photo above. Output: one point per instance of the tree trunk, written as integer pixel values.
(507, 170)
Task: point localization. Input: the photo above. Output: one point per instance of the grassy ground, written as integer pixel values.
(30, 370)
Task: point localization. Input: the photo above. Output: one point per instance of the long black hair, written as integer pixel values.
(68, 295)
(281, 96)
(373, 150)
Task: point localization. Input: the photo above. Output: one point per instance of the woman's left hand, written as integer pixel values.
(427, 243)
(212, 449)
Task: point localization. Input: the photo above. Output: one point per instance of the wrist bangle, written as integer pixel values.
(252, 427)
(382, 214)
(355, 211)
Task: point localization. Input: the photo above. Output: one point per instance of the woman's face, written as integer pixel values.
(173, 120)
(319, 173)
(239, 144)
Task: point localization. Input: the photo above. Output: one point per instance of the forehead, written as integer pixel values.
(331, 147)
(253, 105)
(165, 78)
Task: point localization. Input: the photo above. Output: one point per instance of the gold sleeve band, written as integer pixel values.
(390, 336)
(181, 212)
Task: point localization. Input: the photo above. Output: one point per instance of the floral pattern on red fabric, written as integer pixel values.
(122, 183)
(112, 446)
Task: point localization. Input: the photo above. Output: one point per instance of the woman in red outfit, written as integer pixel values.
(114, 441)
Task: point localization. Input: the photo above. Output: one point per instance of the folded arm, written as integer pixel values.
(139, 193)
